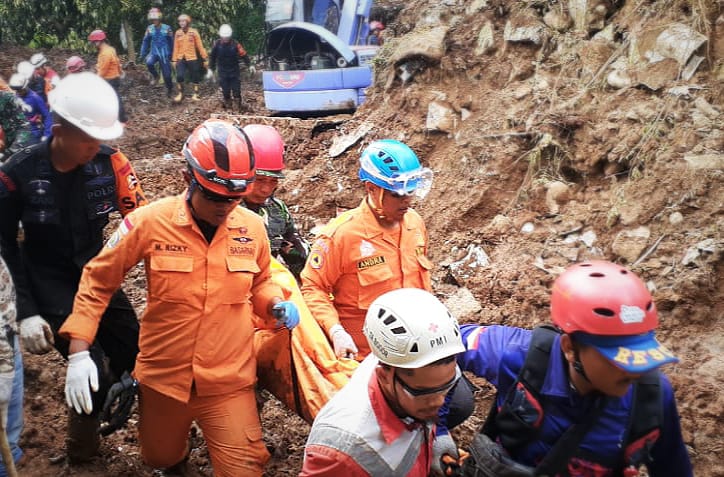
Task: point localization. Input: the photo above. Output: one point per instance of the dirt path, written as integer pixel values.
(492, 192)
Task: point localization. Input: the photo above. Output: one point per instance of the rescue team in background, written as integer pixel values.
(581, 398)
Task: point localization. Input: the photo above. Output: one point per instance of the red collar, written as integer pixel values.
(390, 424)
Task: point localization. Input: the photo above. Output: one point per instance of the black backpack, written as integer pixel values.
(518, 420)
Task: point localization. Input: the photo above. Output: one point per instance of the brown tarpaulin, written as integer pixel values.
(303, 373)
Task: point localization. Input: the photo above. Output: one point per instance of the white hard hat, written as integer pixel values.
(87, 101)
(38, 60)
(225, 31)
(18, 81)
(26, 69)
(411, 328)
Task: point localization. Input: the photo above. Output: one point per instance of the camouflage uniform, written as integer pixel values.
(13, 122)
(281, 231)
(11, 364)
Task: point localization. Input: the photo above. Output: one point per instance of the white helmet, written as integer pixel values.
(411, 328)
(225, 31)
(38, 60)
(26, 69)
(18, 81)
(87, 101)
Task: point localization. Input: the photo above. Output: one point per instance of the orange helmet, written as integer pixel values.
(220, 158)
(268, 148)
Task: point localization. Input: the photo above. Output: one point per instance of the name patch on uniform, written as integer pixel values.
(170, 247)
(370, 262)
(241, 250)
(243, 239)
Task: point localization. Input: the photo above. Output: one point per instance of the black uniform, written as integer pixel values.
(63, 216)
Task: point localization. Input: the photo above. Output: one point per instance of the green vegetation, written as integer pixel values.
(66, 24)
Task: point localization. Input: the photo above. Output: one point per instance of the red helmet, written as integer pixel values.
(608, 307)
(376, 25)
(602, 298)
(97, 35)
(74, 64)
(220, 158)
(268, 148)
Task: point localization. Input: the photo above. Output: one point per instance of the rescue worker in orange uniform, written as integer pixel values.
(188, 57)
(108, 67)
(379, 246)
(207, 262)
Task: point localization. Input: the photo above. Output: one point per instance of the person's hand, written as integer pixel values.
(342, 342)
(173, 65)
(286, 313)
(118, 405)
(444, 455)
(80, 379)
(36, 334)
(6, 392)
(205, 64)
(252, 70)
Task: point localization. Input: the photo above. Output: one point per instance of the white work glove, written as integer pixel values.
(80, 379)
(36, 334)
(343, 343)
(209, 74)
(441, 445)
(6, 392)
(252, 70)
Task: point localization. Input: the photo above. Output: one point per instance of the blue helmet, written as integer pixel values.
(393, 166)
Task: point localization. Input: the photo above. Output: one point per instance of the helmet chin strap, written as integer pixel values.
(376, 205)
(578, 366)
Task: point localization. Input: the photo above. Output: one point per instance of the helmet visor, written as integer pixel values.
(234, 186)
(414, 183)
(634, 353)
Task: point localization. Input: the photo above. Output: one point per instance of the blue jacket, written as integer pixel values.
(497, 353)
(158, 41)
(38, 114)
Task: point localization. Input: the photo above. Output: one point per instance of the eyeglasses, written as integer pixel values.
(414, 392)
(219, 199)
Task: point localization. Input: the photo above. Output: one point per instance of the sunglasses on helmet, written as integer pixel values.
(232, 185)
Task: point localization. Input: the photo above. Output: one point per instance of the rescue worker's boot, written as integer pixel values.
(83, 440)
(226, 103)
(195, 97)
(169, 91)
(180, 95)
(239, 105)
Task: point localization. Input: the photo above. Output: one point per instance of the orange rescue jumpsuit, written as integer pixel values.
(108, 65)
(355, 260)
(196, 359)
(187, 45)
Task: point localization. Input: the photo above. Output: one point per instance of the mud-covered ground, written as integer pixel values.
(540, 166)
